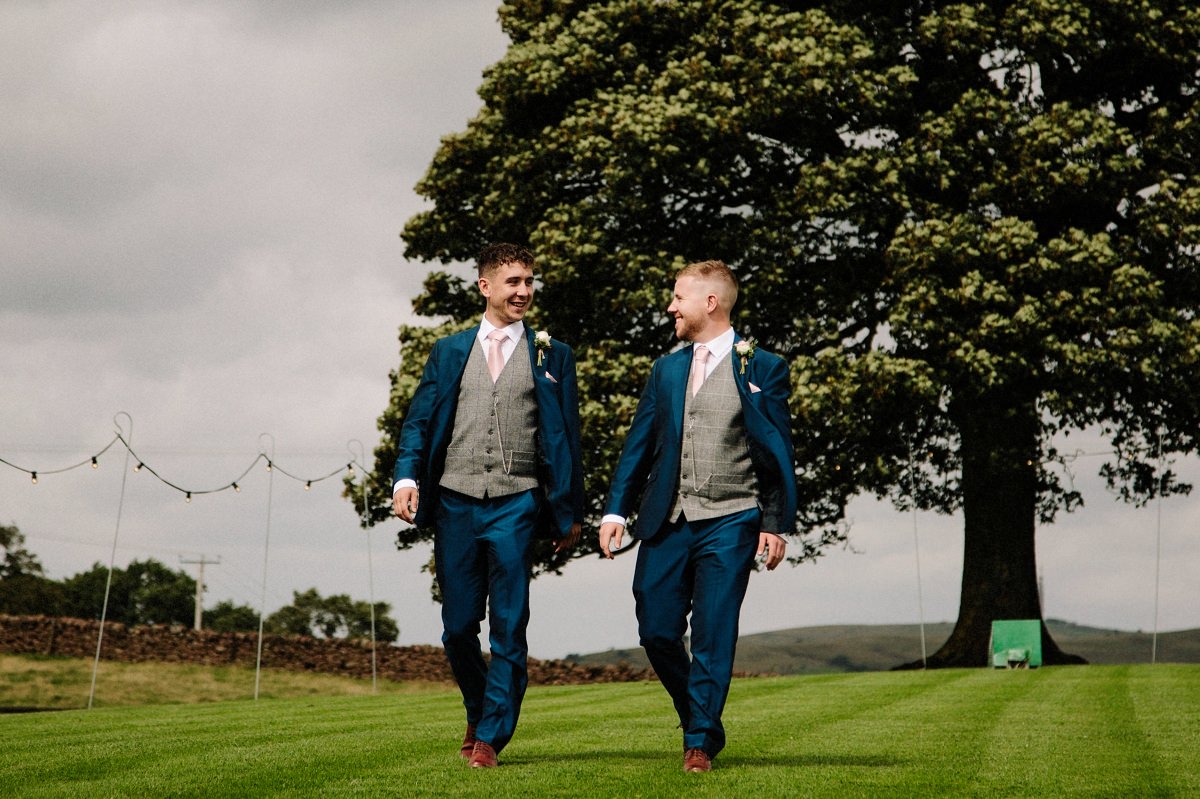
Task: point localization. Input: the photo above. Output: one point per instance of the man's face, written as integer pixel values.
(689, 306)
(509, 292)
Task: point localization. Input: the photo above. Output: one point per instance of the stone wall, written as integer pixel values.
(46, 635)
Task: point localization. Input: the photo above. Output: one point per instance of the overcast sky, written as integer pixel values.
(199, 215)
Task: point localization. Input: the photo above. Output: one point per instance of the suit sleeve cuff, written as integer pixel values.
(404, 482)
(613, 517)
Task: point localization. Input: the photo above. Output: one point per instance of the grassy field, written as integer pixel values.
(1096, 731)
(56, 683)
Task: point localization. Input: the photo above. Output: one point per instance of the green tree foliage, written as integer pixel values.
(226, 617)
(31, 595)
(971, 227)
(147, 592)
(17, 559)
(24, 588)
(336, 616)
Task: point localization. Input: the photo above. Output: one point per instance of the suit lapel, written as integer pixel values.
(752, 414)
(539, 372)
(741, 378)
(460, 350)
(543, 387)
(675, 377)
(452, 363)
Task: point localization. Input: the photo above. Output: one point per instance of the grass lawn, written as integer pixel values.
(1111, 731)
(58, 683)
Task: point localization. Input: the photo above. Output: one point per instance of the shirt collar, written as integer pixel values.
(513, 331)
(720, 346)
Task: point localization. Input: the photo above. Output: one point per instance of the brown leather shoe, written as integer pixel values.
(468, 744)
(483, 756)
(695, 760)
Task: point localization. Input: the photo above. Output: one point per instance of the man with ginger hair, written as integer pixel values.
(708, 465)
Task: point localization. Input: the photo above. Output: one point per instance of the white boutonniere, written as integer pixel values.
(541, 340)
(745, 351)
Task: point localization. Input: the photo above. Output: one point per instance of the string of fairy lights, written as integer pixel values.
(235, 484)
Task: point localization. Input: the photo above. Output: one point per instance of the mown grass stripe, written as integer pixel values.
(928, 740)
(1095, 731)
(1067, 723)
(1165, 699)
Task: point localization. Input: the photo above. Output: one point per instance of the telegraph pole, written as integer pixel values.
(199, 585)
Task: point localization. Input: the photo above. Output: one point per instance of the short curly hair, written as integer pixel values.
(494, 256)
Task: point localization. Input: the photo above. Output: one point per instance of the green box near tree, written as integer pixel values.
(1016, 643)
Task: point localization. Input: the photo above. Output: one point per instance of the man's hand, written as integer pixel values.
(404, 504)
(570, 539)
(610, 538)
(774, 546)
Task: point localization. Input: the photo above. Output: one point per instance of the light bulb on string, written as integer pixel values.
(33, 476)
(268, 466)
(308, 486)
(95, 463)
(237, 489)
(138, 468)
(188, 498)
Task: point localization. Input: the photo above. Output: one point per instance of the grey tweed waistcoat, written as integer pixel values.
(493, 450)
(716, 475)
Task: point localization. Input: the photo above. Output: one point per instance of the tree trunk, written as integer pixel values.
(999, 448)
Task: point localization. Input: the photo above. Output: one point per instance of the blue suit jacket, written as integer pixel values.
(429, 424)
(653, 444)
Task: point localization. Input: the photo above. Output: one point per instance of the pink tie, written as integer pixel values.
(699, 372)
(495, 357)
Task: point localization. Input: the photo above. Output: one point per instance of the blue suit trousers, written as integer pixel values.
(703, 568)
(481, 554)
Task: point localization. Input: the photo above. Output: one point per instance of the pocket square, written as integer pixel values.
(753, 388)
(550, 377)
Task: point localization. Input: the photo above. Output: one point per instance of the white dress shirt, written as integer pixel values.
(509, 345)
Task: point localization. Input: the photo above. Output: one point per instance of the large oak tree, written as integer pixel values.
(973, 229)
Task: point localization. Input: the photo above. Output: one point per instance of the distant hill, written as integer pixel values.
(841, 648)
